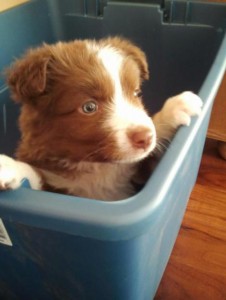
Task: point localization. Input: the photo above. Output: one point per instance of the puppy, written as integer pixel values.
(84, 128)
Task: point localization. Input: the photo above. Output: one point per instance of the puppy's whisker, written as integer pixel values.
(160, 147)
(102, 146)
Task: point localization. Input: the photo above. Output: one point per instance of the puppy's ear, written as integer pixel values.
(134, 52)
(27, 76)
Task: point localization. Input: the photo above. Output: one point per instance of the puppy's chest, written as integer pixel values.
(103, 181)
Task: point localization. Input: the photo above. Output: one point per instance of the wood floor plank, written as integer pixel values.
(197, 266)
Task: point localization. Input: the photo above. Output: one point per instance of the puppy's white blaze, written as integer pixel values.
(127, 116)
(123, 114)
(112, 61)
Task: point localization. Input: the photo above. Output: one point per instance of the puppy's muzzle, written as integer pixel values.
(140, 138)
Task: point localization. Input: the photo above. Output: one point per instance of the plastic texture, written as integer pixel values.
(72, 248)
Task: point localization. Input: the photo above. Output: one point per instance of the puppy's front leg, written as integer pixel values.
(12, 173)
(176, 111)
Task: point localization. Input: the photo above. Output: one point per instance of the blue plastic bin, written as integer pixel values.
(72, 248)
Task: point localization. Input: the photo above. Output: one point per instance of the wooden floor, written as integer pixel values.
(197, 267)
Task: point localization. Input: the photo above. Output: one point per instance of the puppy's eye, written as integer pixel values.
(89, 107)
(137, 93)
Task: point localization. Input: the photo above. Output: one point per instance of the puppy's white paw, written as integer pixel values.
(9, 173)
(179, 109)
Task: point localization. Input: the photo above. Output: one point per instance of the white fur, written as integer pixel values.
(103, 181)
(123, 114)
(176, 111)
(126, 116)
(180, 108)
(13, 172)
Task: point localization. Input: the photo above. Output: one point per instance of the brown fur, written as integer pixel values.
(68, 147)
(52, 84)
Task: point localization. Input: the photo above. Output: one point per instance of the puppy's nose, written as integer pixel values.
(140, 138)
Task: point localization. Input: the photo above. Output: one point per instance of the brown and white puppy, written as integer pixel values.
(84, 128)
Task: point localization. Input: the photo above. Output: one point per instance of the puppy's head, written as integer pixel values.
(81, 101)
